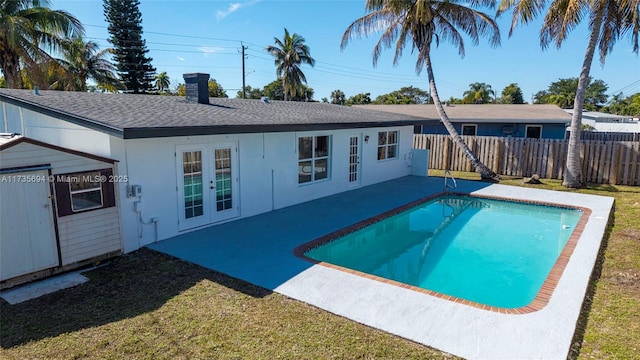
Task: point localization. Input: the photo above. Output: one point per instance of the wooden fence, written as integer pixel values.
(608, 136)
(603, 162)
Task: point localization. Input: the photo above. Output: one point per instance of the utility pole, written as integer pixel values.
(244, 95)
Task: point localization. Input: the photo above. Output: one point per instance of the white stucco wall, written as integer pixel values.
(268, 177)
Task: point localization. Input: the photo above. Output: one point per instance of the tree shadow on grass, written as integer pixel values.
(126, 287)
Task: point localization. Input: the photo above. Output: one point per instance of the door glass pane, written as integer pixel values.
(223, 179)
(192, 181)
(353, 159)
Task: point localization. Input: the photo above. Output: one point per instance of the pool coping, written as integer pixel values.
(539, 301)
(463, 330)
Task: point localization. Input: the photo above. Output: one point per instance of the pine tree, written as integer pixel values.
(130, 49)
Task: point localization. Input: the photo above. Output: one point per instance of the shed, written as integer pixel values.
(58, 209)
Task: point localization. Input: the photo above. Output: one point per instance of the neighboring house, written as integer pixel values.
(188, 163)
(604, 122)
(531, 121)
(56, 214)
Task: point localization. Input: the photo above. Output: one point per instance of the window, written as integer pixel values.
(534, 131)
(469, 130)
(313, 158)
(387, 145)
(84, 191)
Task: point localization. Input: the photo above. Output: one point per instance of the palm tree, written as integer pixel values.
(479, 93)
(423, 23)
(162, 81)
(337, 97)
(289, 53)
(82, 61)
(27, 28)
(609, 20)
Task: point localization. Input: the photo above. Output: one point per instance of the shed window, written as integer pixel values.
(313, 158)
(469, 130)
(84, 191)
(387, 145)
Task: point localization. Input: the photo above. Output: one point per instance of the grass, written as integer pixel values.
(147, 305)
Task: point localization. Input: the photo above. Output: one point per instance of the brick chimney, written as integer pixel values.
(197, 86)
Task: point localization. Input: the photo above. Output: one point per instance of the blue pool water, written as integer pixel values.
(492, 252)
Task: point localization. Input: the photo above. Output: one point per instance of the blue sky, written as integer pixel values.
(205, 36)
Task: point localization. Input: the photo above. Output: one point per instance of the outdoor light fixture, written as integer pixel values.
(366, 138)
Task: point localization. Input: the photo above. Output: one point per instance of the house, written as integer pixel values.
(531, 121)
(56, 213)
(604, 122)
(187, 163)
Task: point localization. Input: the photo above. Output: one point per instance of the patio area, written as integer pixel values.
(259, 250)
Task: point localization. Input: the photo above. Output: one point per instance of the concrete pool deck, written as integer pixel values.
(259, 250)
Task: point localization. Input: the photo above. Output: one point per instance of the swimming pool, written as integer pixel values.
(491, 253)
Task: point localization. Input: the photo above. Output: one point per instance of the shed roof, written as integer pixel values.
(137, 116)
(485, 113)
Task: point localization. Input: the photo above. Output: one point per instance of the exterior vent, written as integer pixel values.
(197, 87)
(265, 99)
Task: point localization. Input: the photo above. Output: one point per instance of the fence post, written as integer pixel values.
(496, 155)
(615, 164)
(447, 153)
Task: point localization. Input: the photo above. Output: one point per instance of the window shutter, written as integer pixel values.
(63, 198)
(108, 189)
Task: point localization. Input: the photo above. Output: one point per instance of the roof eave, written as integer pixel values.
(157, 132)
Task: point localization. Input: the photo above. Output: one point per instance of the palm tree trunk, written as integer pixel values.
(284, 89)
(11, 69)
(482, 169)
(573, 170)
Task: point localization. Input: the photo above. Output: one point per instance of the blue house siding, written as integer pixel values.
(549, 131)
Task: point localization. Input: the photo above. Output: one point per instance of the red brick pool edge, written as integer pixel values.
(538, 303)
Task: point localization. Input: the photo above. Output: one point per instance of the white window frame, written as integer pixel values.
(474, 126)
(315, 158)
(387, 144)
(526, 130)
(80, 178)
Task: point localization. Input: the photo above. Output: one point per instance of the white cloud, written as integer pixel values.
(180, 58)
(210, 50)
(233, 7)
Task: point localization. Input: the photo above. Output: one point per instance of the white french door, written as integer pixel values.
(354, 160)
(207, 183)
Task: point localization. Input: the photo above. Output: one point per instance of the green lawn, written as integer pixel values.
(147, 305)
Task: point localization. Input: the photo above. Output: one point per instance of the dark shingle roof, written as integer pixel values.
(133, 116)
